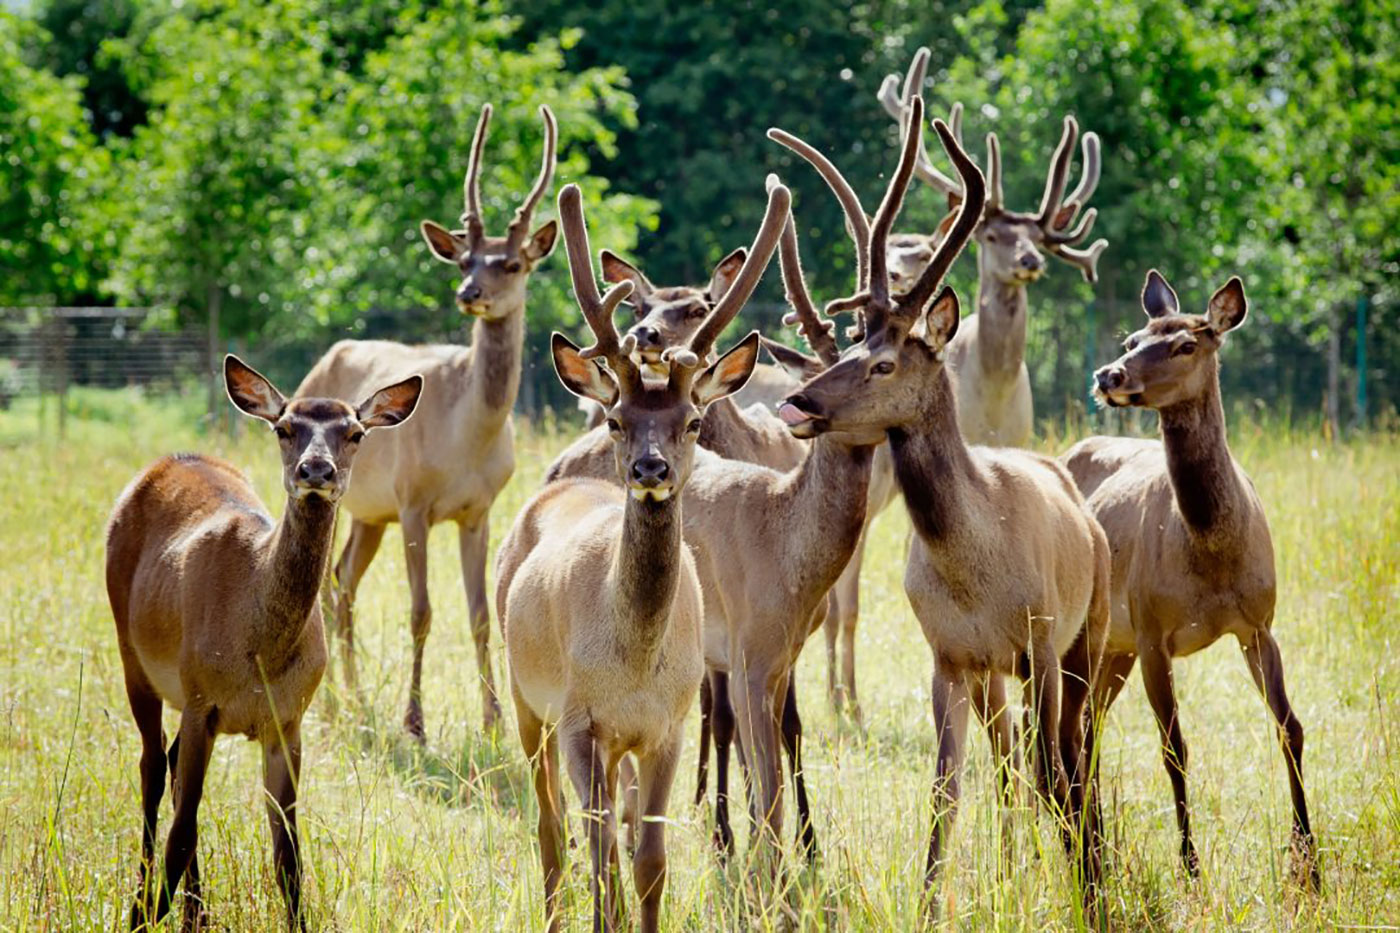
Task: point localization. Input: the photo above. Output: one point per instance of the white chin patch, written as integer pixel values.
(643, 493)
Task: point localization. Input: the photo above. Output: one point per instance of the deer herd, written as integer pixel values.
(695, 539)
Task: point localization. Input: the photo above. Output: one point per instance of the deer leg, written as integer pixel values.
(758, 713)
(831, 631)
(193, 916)
(1157, 678)
(628, 798)
(359, 552)
(541, 747)
(1266, 666)
(950, 705)
(281, 773)
(472, 542)
(196, 744)
(988, 697)
(1109, 681)
(1076, 681)
(590, 776)
(1045, 700)
(848, 605)
(146, 709)
(723, 725)
(702, 770)
(792, 742)
(657, 772)
(415, 550)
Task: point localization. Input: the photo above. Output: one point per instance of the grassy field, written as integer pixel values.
(398, 838)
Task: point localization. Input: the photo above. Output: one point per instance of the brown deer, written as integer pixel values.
(1192, 557)
(987, 362)
(217, 615)
(457, 455)
(1007, 573)
(598, 598)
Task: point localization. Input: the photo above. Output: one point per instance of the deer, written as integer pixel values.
(459, 452)
(1008, 572)
(597, 593)
(217, 615)
(987, 362)
(1192, 557)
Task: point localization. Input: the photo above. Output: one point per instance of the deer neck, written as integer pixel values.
(721, 428)
(933, 466)
(1001, 326)
(1209, 493)
(290, 577)
(647, 568)
(497, 347)
(826, 505)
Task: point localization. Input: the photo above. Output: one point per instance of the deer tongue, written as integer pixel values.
(791, 414)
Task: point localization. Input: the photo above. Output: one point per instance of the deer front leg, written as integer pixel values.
(1157, 678)
(758, 711)
(831, 631)
(988, 696)
(196, 744)
(1266, 666)
(950, 702)
(649, 860)
(415, 552)
(359, 552)
(847, 591)
(792, 742)
(472, 542)
(146, 708)
(589, 772)
(723, 725)
(193, 916)
(281, 773)
(1078, 670)
(541, 747)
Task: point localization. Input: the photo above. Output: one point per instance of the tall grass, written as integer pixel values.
(442, 838)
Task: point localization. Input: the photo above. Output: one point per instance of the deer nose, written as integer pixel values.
(650, 471)
(647, 336)
(1111, 377)
(317, 471)
(469, 292)
(1031, 262)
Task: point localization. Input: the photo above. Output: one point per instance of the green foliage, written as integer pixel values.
(78, 29)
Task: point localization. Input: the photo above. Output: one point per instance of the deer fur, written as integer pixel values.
(1192, 557)
(459, 453)
(598, 597)
(217, 615)
(1007, 572)
(987, 360)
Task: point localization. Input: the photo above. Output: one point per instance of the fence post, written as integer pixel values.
(62, 352)
(1361, 308)
(1090, 403)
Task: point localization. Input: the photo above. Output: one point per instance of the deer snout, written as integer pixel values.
(315, 473)
(650, 472)
(468, 296)
(647, 336)
(1032, 263)
(1111, 377)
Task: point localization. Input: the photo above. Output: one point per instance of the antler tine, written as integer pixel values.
(1088, 180)
(890, 205)
(1085, 259)
(856, 221)
(1080, 231)
(471, 185)
(969, 215)
(597, 309)
(728, 307)
(994, 196)
(817, 332)
(1059, 168)
(896, 104)
(914, 78)
(520, 224)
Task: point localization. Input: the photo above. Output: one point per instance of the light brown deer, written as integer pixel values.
(1007, 573)
(1192, 556)
(987, 361)
(457, 455)
(597, 594)
(217, 615)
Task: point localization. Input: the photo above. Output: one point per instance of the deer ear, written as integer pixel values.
(944, 225)
(941, 320)
(585, 378)
(391, 405)
(1227, 307)
(795, 363)
(726, 375)
(541, 242)
(725, 273)
(616, 269)
(445, 244)
(251, 392)
(1158, 299)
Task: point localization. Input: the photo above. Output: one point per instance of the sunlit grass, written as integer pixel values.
(399, 838)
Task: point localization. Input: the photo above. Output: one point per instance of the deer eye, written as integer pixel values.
(693, 427)
(882, 368)
(283, 433)
(513, 266)
(356, 437)
(991, 238)
(614, 427)
(1130, 344)
(1186, 349)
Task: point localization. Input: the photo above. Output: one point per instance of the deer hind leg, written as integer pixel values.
(281, 774)
(1079, 667)
(1266, 666)
(950, 706)
(1161, 693)
(194, 916)
(1109, 680)
(359, 552)
(415, 549)
(792, 742)
(146, 708)
(723, 726)
(541, 747)
(988, 696)
(194, 745)
(759, 711)
(472, 542)
(628, 798)
(591, 779)
(702, 769)
(657, 772)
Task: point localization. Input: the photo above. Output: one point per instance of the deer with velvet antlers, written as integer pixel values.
(459, 452)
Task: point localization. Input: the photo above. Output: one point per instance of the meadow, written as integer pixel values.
(398, 837)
